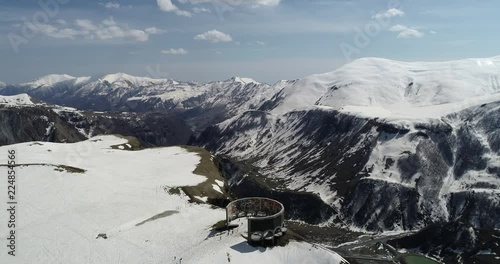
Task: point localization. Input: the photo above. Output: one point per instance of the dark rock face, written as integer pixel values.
(454, 242)
(378, 175)
(42, 123)
(35, 124)
(244, 182)
(369, 205)
(470, 152)
(153, 129)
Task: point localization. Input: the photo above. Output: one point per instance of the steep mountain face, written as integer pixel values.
(25, 119)
(200, 104)
(21, 120)
(388, 145)
(455, 242)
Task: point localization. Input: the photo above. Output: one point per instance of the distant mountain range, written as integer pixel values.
(200, 104)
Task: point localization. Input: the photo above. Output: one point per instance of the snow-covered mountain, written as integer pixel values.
(49, 80)
(96, 201)
(385, 145)
(390, 89)
(390, 145)
(202, 104)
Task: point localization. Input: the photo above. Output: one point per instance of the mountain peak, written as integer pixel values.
(123, 77)
(243, 80)
(386, 88)
(2, 84)
(114, 77)
(49, 80)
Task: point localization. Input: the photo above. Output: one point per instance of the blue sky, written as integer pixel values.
(266, 40)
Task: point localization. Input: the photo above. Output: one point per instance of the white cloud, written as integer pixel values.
(105, 30)
(66, 33)
(252, 3)
(214, 36)
(109, 22)
(180, 51)
(168, 6)
(155, 31)
(86, 24)
(410, 33)
(61, 22)
(433, 32)
(260, 43)
(406, 32)
(201, 10)
(111, 5)
(136, 35)
(398, 28)
(393, 12)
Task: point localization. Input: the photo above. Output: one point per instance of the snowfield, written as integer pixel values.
(384, 88)
(68, 194)
(16, 100)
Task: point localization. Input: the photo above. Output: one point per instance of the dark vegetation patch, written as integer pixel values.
(208, 169)
(70, 169)
(174, 191)
(132, 144)
(61, 168)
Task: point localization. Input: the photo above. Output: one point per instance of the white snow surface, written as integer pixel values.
(60, 214)
(16, 100)
(49, 80)
(244, 80)
(137, 81)
(402, 90)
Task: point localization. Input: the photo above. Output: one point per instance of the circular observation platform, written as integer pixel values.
(266, 217)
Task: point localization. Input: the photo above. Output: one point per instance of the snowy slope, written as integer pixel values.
(62, 209)
(118, 78)
(384, 88)
(16, 100)
(49, 80)
(244, 80)
(122, 78)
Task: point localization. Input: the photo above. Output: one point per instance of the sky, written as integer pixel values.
(206, 40)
